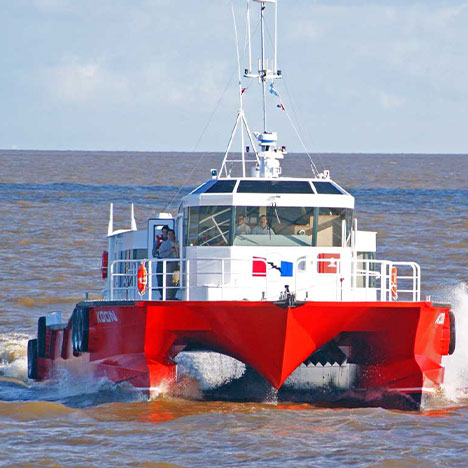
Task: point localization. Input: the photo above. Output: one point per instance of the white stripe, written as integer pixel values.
(403, 390)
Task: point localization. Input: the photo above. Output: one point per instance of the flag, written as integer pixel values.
(280, 106)
(328, 263)
(286, 269)
(273, 91)
(259, 266)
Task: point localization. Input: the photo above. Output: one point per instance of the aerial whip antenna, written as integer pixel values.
(241, 119)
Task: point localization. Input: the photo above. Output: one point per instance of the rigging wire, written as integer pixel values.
(195, 166)
(315, 171)
(298, 131)
(210, 118)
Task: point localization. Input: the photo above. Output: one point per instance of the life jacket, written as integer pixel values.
(159, 240)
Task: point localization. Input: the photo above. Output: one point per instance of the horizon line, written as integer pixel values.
(363, 153)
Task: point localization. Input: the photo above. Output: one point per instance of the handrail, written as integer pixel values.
(123, 284)
(367, 273)
(235, 279)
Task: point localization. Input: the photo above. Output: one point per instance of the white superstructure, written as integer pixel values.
(259, 236)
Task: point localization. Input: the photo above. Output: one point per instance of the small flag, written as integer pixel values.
(259, 266)
(280, 106)
(243, 91)
(328, 263)
(273, 91)
(286, 269)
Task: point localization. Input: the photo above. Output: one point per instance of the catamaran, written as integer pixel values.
(271, 270)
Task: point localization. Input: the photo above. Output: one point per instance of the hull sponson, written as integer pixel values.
(398, 346)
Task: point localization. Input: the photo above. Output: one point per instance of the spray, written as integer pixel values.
(456, 366)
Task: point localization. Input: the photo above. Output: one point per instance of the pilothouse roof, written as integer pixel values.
(271, 186)
(282, 191)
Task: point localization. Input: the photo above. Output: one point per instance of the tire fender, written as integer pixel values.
(32, 359)
(41, 337)
(453, 333)
(80, 330)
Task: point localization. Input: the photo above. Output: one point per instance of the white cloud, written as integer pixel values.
(390, 101)
(81, 82)
(52, 6)
(145, 59)
(156, 83)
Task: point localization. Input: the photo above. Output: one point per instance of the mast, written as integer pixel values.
(267, 69)
(268, 156)
(263, 71)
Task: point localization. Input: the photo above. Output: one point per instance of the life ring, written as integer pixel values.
(104, 264)
(142, 279)
(394, 283)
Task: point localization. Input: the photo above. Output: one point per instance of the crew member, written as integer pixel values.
(242, 227)
(160, 238)
(169, 249)
(263, 227)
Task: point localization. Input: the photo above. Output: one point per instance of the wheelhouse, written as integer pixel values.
(296, 213)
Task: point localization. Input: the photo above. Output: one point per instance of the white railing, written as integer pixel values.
(123, 279)
(369, 274)
(236, 279)
(211, 273)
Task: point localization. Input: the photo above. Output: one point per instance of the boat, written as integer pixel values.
(266, 269)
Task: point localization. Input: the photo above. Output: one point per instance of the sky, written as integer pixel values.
(381, 76)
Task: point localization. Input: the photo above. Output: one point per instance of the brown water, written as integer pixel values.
(54, 211)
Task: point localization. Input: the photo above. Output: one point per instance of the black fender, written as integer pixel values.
(80, 330)
(453, 333)
(41, 337)
(32, 359)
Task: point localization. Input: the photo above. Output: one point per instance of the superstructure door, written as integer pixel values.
(154, 229)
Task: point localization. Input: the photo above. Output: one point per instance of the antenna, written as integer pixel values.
(110, 227)
(267, 158)
(133, 226)
(249, 41)
(267, 73)
(241, 119)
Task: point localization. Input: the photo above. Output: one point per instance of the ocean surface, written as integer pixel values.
(54, 213)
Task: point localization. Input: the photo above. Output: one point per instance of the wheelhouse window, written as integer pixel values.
(209, 226)
(268, 226)
(216, 186)
(275, 226)
(327, 188)
(274, 186)
(329, 230)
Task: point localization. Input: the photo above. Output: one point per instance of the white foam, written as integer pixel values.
(210, 369)
(78, 391)
(456, 365)
(13, 355)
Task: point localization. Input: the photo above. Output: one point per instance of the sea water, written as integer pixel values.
(54, 211)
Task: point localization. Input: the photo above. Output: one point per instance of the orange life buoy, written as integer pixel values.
(394, 283)
(104, 264)
(142, 279)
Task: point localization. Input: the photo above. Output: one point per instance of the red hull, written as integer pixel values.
(398, 346)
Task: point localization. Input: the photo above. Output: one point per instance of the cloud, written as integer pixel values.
(390, 101)
(156, 83)
(52, 6)
(81, 82)
(340, 58)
